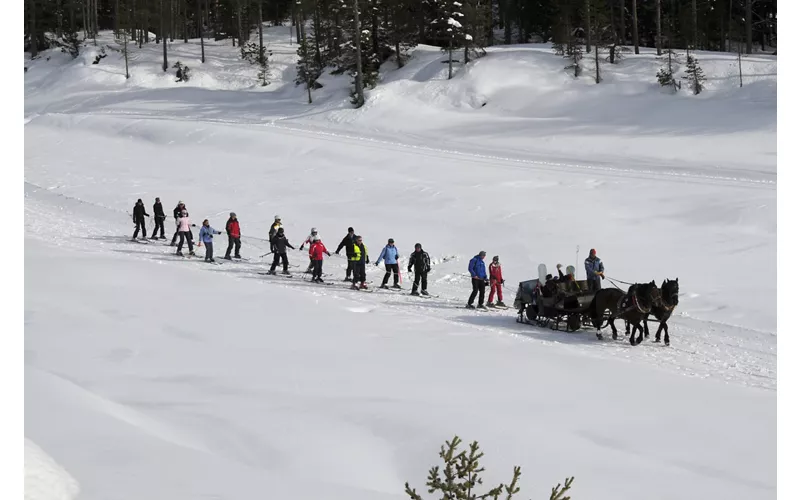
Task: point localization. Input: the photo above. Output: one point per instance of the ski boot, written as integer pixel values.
(179, 253)
(363, 286)
(385, 286)
(154, 237)
(227, 257)
(425, 292)
(354, 287)
(470, 306)
(397, 287)
(237, 256)
(272, 272)
(415, 293)
(285, 271)
(501, 304)
(191, 254)
(490, 304)
(482, 307)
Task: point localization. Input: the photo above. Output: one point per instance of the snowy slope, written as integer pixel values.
(176, 379)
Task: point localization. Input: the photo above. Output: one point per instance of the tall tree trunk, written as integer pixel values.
(305, 54)
(694, 24)
(125, 51)
(622, 22)
(116, 18)
(199, 19)
(34, 38)
(297, 21)
(490, 25)
(596, 65)
(185, 18)
(94, 17)
(588, 23)
(260, 36)
(635, 28)
(748, 26)
(240, 27)
(658, 27)
(359, 74)
(318, 30)
(165, 65)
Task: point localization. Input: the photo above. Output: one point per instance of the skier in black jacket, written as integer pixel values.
(138, 219)
(279, 244)
(420, 261)
(158, 218)
(347, 243)
(176, 213)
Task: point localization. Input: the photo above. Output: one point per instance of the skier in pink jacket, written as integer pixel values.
(184, 231)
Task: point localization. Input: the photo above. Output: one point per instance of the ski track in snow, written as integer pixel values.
(702, 349)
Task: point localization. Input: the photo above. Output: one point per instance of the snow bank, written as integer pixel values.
(44, 478)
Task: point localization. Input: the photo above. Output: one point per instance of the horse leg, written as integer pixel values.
(613, 328)
(641, 332)
(658, 332)
(666, 335)
(646, 330)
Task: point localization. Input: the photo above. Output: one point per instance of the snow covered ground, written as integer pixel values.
(151, 376)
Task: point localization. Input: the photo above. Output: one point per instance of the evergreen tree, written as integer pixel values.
(449, 30)
(666, 75)
(403, 31)
(694, 74)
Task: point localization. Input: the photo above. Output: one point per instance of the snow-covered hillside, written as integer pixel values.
(148, 376)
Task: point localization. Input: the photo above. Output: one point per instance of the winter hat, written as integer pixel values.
(277, 217)
(233, 214)
(592, 251)
(313, 230)
(180, 203)
(351, 230)
(139, 200)
(280, 230)
(391, 240)
(158, 200)
(418, 245)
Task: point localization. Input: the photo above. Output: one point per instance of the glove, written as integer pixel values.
(329, 254)
(558, 266)
(409, 270)
(376, 264)
(502, 282)
(301, 248)
(367, 260)
(486, 281)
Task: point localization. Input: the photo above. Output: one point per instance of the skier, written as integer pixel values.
(138, 219)
(185, 231)
(347, 243)
(273, 230)
(158, 218)
(360, 259)
(176, 213)
(234, 236)
(279, 243)
(309, 241)
(206, 238)
(496, 282)
(420, 261)
(477, 271)
(391, 256)
(316, 250)
(594, 270)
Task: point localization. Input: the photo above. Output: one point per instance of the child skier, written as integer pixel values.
(496, 282)
(185, 231)
(391, 256)
(309, 241)
(273, 230)
(359, 259)
(206, 238)
(316, 250)
(279, 244)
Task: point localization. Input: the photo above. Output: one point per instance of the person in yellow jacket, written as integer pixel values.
(360, 259)
(273, 230)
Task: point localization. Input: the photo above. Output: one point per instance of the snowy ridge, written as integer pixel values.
(45, 479)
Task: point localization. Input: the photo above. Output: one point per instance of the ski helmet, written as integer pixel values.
(418, 245)
(277, 217)
(313, 230)
(391, 240)
(233, 214)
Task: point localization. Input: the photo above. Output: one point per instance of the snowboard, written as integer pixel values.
(571, 270)
(542, 274)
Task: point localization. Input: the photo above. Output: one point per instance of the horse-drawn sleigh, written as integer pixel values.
(553, 302)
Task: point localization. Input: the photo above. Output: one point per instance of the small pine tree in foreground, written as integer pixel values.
(694, 75)
(460, 477)
(666, 75)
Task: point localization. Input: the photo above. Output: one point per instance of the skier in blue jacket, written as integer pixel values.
(477, 271)
(390, 256)
(595, 271)
(206, 238)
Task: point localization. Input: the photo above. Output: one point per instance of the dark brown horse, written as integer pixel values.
(662, 309)
(631, 307)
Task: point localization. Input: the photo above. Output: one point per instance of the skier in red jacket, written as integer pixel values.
(315, 252)
(234, 236)
(496, 281)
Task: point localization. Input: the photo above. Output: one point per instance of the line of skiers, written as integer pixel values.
(355, 251)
